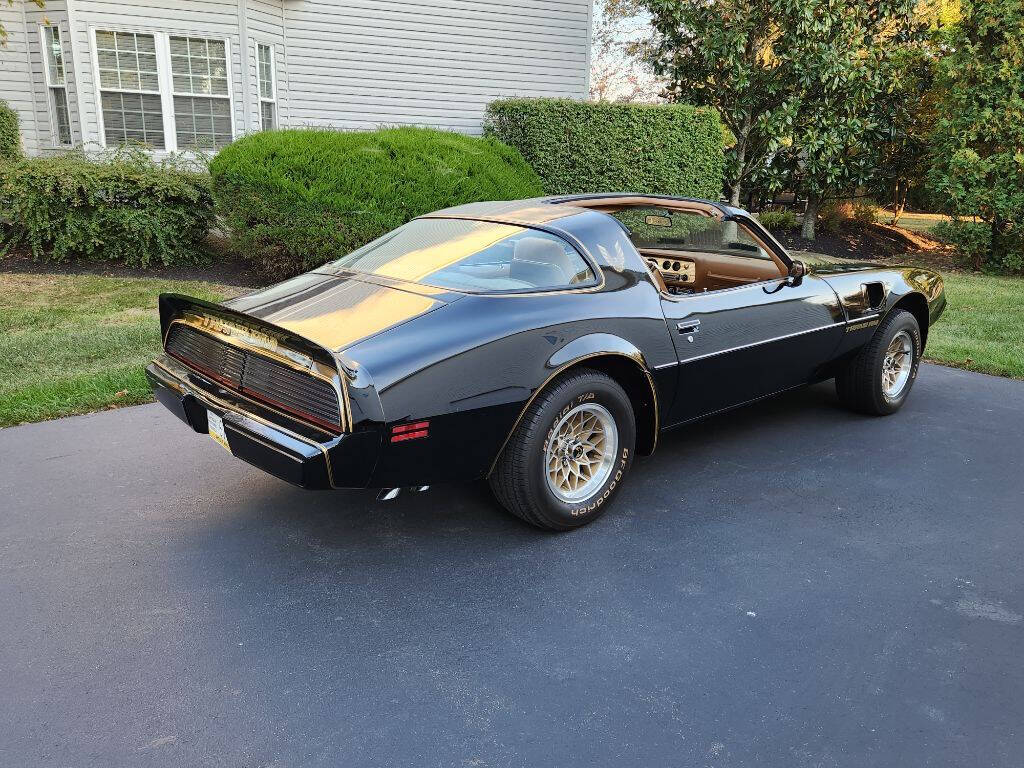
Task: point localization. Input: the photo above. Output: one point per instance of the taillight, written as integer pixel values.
(409, 431)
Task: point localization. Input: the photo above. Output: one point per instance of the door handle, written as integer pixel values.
(688, 326)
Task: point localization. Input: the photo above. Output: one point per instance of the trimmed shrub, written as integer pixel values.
(972, 243)
(10, 137)
(574, 146)
(778, 221)
(122, 208)
(292, 200)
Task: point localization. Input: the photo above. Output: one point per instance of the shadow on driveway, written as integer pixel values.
(788, 584)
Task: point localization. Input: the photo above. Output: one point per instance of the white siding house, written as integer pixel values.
(187, 74)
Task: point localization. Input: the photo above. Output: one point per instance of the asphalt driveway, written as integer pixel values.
(787, 585)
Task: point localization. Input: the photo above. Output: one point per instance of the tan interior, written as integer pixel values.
(709, 271)
(696, 270)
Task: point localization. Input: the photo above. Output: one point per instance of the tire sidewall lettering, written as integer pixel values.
(606, 493)
(915, 336)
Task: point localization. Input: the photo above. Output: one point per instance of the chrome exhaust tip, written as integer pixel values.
(388, 494)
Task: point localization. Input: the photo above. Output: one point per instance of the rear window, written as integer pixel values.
(472, 256)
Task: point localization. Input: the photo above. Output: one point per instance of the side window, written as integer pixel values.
(202, 100)
(129, 89)
(666, 229)
(268, 86)
(168, 91)
(56, 83)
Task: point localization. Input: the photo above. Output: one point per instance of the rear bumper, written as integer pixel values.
(339, 461)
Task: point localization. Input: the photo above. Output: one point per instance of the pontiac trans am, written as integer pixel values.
(540, 344)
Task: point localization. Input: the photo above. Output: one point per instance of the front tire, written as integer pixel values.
(569, 454)
(878, 380)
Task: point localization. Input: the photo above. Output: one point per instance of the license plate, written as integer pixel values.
(216, 426)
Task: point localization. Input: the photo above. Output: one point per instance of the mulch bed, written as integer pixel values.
(870, 242)
(220, 267)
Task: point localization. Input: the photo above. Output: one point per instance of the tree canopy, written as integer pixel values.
(810, 89)
(727, 55)
(978, 142)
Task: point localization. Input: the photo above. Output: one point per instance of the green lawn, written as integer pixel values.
(76, 343)
(983, 326)
(915, 222)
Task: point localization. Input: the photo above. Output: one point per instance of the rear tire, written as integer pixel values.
(878, 380)
(569, 454)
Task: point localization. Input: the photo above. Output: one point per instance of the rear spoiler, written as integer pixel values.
(259, 333)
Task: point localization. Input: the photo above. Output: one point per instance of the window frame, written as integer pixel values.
(763, 252)
(52, 86)
(165, 80)
(273, 83)
(176, 94)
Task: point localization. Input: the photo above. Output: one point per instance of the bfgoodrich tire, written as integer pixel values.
(569, 454)
(878, 380)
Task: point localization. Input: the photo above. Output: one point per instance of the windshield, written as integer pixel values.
(653, 227)
(471, 256)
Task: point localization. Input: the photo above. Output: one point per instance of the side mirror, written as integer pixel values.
(797, 270)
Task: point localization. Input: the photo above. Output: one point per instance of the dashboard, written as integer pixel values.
(679, 274)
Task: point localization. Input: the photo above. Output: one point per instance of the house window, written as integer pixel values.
(129, 89)
(169, 91)
(202, 102)
(56, 84)
(268, 86)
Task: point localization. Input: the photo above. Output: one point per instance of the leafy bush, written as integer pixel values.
(865, 210)
(10, 138)
(833, 214)
(778, 221)
(977, 163)
(123, 207)
(294, 199)
(671, 149)
(972, 241)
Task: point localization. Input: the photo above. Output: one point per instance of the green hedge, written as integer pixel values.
(10, 138)
(122, 208)
(292, 200)
(574, 146)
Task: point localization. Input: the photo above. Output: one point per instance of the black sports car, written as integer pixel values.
(541, 344)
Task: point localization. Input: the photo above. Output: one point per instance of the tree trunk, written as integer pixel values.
(734, 194)
(899, 200)
(810, 217)
(741, 159)
(736, 187)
